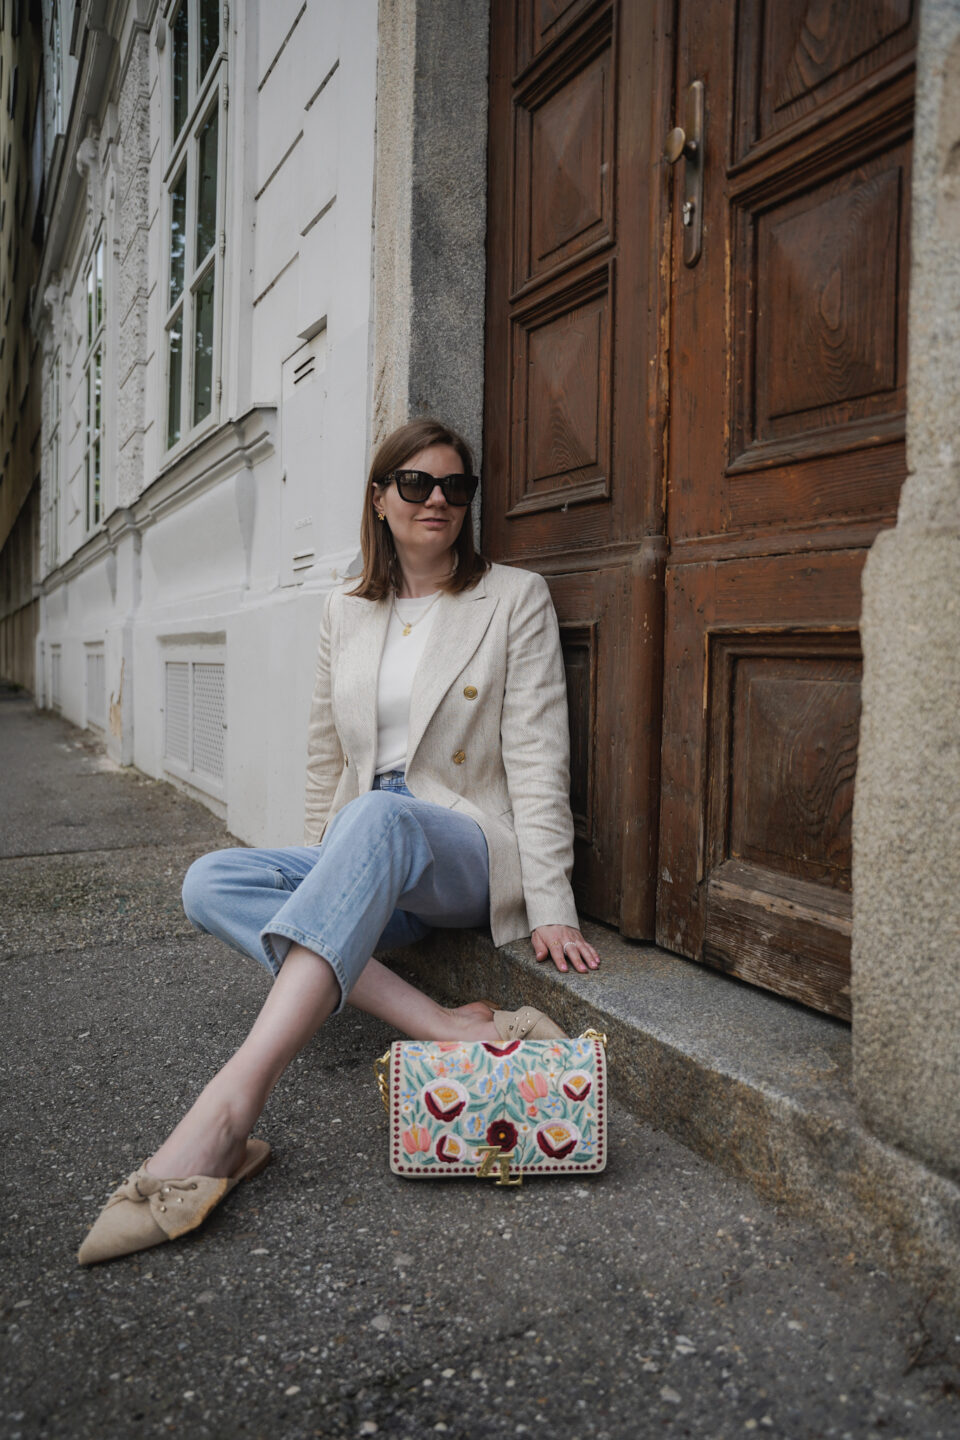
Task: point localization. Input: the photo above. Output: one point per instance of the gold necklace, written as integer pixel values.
(408, 626)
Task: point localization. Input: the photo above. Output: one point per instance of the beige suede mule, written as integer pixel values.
(147, 1210)
(526, 1024)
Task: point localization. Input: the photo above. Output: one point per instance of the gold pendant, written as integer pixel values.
(406, 629)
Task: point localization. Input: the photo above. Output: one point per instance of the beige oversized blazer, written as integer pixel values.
(488, 733)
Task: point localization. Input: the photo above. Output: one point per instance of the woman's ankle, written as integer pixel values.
(471, 1025)
(210, 1140)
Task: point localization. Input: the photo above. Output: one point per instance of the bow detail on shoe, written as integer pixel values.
(175, 1206)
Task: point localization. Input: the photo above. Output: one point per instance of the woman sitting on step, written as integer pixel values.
(437, 796)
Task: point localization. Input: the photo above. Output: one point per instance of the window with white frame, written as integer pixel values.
(93, 388)
(53, 466)
(193, 209)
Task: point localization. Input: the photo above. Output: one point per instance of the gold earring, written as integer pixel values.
(380, 515)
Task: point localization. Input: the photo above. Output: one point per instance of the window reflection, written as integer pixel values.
(206, 187)
(195, 46)
(174, 381)
(96, 481)
(203, 348)
(181, 71)
(93, 383)
(209, 34)
(99, 284)
(178, 234)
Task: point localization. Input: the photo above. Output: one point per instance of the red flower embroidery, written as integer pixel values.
(557, 1138)
(502, 1133)
(444, 1099)
(576, 1085)
(501, 1050)
(450, 1149)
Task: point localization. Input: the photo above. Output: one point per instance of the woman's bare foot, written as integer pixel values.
(481, 1008)
(472, 1022)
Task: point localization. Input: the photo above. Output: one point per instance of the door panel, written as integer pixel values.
(561, 365)
(786, 456)
(564, 127)
(572, 473)
(799, 61)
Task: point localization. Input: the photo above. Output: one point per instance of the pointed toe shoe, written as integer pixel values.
(147, 1210)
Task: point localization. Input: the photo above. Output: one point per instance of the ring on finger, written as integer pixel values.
(568, 944)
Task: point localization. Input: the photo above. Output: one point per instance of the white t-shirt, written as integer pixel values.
(401, 656)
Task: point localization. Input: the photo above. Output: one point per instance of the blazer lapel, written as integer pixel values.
(362, 640)
(459, 627)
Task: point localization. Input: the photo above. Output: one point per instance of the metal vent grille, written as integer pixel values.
(194, 731)
(55, 676)
(208, 713)
(305, 369)
(176, 730)
(96, 688)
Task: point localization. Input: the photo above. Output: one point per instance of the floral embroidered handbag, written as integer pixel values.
(496, 1110)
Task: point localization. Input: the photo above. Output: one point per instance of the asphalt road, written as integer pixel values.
(328, 1297)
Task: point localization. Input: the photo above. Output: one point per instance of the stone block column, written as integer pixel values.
(906, 870)
(430, 214)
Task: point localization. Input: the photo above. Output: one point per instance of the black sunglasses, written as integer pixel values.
(416, 486)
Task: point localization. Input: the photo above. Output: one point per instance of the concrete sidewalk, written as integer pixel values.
(330, 1298)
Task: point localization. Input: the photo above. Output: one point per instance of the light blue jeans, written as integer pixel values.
(390, 867)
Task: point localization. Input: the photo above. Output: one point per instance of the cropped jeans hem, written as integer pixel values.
(310, 942)
(389, 869)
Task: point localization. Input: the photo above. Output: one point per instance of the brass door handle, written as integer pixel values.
(686, 143)
(678, 145)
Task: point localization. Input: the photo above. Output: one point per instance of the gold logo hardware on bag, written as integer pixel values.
(499, 1111)
(493, 1153)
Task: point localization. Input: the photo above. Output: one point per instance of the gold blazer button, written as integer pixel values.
(458, 757)
(470, 691)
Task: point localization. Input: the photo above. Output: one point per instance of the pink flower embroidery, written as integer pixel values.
(414, 1139)
(533, 1087)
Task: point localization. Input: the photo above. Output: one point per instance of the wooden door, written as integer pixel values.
(572, 443)
(786, 454)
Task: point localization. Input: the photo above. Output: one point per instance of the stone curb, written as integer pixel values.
(757, 1085)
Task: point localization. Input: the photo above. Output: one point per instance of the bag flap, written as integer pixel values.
(452, 1103)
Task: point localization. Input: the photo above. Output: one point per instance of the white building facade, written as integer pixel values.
(205, 311)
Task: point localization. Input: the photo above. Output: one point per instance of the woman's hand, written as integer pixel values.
(562, 943)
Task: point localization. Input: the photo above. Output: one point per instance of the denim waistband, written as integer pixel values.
(391, 780)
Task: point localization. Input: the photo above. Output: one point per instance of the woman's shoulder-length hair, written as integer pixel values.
(381, 569)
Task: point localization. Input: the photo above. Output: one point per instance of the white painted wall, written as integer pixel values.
(224, 548)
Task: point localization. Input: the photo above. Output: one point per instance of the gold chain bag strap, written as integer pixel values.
(497, 1111)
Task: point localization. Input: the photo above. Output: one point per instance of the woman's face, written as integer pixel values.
(423, 533)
